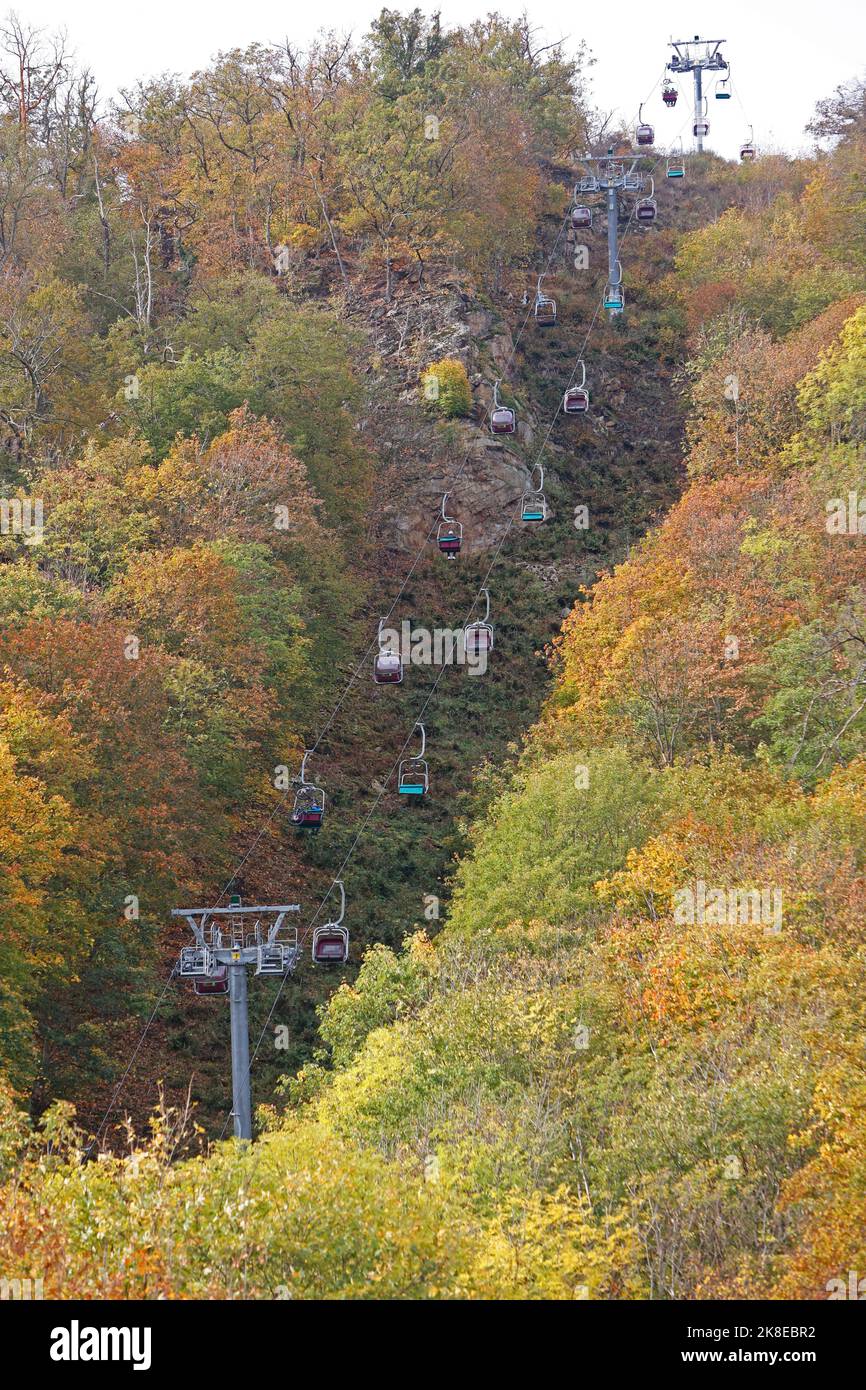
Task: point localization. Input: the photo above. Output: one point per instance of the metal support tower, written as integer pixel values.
(688, 57)
(611, 174)
(227, 940)
(614, 270)
(241, 1096)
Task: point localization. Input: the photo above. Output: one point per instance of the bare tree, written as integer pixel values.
(32, 67)
(841, 115)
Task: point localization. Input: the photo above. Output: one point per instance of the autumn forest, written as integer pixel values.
(598, 1029)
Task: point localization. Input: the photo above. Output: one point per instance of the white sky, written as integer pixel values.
(783, 56)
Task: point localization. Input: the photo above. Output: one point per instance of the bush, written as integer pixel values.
(446, 386)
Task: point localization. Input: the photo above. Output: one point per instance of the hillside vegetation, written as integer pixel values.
(628, 1061)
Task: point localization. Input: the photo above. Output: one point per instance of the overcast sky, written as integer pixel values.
(783, 56)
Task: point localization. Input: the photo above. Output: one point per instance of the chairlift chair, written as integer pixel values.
(644, 133)
(309, 808)
(676, 166)
(387, 666)
(576, 398)
(331, 941)
(533, 505)
(478, 636)
(614, 296)
(215, 983)
(647, 208)
(670, 95)
(413, 776)
(449, 536)
(503, 420)
(544, 308)
(199, 964)
(747, 149)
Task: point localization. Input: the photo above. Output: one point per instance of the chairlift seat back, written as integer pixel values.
(450, 539)
(387, 668)
(576, 400)
(309, 808)
(478, 637)
(217, 983)
(413, 778)
(330, 945)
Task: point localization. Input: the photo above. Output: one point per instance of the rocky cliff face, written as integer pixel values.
(419, 453)
(622, 460)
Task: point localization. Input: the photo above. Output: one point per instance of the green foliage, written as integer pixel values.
(386, 985)
(814, 713)
(833, 396)
(549, 837)
(194, 395)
